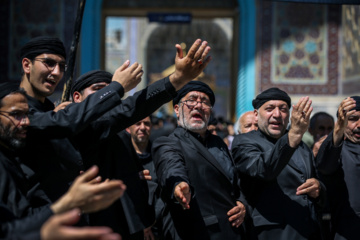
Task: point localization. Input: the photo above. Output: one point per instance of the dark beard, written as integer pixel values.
(8, 137)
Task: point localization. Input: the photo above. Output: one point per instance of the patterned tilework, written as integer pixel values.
(299, 47)
(160, 53)
(350, 49)
(30, 19)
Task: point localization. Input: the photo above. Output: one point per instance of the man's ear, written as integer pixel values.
(128, 130)
(256, 113)
(26, 63)
(77, 98)
(176, 109)
(311, 131)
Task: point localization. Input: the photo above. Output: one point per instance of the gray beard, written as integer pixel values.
(7, 137)
(187, 126)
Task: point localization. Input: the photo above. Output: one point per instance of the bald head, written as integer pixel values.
(247, 122)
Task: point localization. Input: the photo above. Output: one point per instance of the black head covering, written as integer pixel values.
(195, 86)
(357, 99)
(271, 94)
(89, 78)
(7, 88)
(41, 45)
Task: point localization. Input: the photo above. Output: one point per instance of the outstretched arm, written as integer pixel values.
(89, 194)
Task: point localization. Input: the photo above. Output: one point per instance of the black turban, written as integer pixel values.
(89, 78)
(195, 86)
(271, 94)
(41, 45)
(7, 88)
(357, 99)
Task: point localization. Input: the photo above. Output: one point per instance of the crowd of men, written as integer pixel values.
(87, 169)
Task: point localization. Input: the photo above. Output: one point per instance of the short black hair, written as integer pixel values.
(314, 118)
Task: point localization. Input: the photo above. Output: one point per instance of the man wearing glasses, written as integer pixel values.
(55, 161)
(22, 208)
(196, 173)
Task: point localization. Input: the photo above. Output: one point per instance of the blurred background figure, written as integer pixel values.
(321, 124)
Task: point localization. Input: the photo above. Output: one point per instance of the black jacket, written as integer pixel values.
(339, 167)
(102, 144)
(49, 153)
(182, 157)
(21, 212)
(270, 172)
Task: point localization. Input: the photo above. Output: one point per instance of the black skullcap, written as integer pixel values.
(89, 78)
(271, 94)
(7, 88)
(357, 100)
(41, 45)
(195, 86)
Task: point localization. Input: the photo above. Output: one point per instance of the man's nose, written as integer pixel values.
(276, 112)
(25, 121)
(56, 70)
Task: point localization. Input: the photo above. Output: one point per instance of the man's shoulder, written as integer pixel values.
(248, 137)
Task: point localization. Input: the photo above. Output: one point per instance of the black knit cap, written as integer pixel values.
(7, 88)
(41, 45)
(271, 94)
(195, 86)
(89, 78)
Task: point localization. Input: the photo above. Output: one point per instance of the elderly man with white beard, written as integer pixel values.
(196, 173)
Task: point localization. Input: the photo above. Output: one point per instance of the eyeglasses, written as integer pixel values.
(51, 64)
(193, 103)
(17, 115)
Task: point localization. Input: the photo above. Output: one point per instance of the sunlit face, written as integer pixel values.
(352, 131)
(195, 118)
(42, 81)
(323, 126)
(79, 97)
(248, 122)
(14, 120)
(140, 131)
(273, 118)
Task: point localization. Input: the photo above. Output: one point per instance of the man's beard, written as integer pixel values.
(8, 137)
(185, 124)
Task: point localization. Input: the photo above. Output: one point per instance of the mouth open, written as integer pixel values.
(50, 81)
(197, 116)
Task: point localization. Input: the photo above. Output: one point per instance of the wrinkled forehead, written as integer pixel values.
(196, 94)
(275, 103)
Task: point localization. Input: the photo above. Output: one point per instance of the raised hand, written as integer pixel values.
(300, 120)
(128, 77)
(183, 195)
(343, 115)
(190, 66)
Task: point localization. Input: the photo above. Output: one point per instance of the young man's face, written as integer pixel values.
(79, 97)
(194, 118)
(45, 72)
(14, 120)
(352, 131)
(273, 118)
